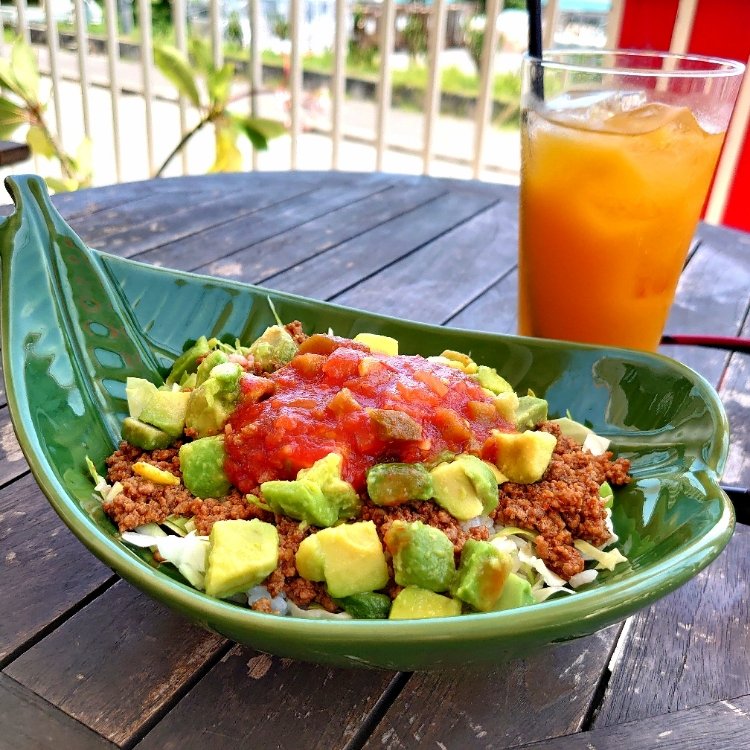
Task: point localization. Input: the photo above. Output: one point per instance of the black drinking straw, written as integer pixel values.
(534, 8)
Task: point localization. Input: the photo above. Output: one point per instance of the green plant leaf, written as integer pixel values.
(11, 117)
(200, 52)
(39, 142)
(176, 68)
(6, 77)
(219, 83)
(228, 156)
(25, 72)
(84, 162)
(259, 130)
(66, 185)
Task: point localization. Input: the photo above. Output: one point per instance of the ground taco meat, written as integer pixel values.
(142, 501)
(565, 504)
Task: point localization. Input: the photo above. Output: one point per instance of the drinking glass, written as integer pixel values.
(618, 153)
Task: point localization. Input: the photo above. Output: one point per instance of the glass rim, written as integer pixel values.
(725, 68)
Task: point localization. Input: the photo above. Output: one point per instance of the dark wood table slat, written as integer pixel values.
(12, 461)
(495, 310)
(540, 696)
(205, 247)
(141, 226)
(712, 298)
(689, 648)
(27, 722)
(735, 395)
(118, 663)
(255, 700)
(37, 548)
(325, 237)
(331, 273)
(436, 281)
(723, 725)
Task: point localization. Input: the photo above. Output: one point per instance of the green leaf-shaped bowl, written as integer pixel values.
(76, 323)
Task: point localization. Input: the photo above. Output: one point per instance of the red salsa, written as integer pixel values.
(368, 407)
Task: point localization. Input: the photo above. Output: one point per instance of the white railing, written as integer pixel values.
(427, 157)
(337, 131)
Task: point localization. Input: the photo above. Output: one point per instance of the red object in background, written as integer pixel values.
(648, 24)
(720, 28)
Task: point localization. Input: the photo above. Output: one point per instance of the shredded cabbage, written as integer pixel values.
(514, 530)
(106, 491)
(542, 594)
(151, 529)
(604, 559)
(315, 613)
(582, 578)
(537, 564)
(187, 553)
(595, 444)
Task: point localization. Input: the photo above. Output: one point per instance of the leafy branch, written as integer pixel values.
(20, 104)
(213, 107)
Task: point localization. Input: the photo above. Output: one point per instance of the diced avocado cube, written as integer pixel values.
(489, 379)
(211, 403)
(309, 559)
(144, 436)
(138, 391)
(188, 361)
(414, 603)
(483, 478)
(300, 499)
(353, 559)
(422, 555)
(506, 405)
(166, 410)
(240, 555)
(523, 456)
(326, 473)
(481, 575)
(216, 357)
(274, 348)
(368, 605)
(227, 374)
(453, 490)
(378, 343)
(530, 412)
(202, 464)
(516, 593)
(394, 484)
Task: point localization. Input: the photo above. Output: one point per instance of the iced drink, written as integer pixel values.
(612, 187)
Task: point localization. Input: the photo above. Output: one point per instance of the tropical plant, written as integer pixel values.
(213, 106)
(21, 104)
(474, 38)
(415, 35)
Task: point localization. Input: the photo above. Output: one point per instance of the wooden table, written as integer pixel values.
(89, 662)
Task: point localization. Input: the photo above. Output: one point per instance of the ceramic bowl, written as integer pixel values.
(76, 323)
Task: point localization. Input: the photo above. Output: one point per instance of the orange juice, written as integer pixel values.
(609, 204)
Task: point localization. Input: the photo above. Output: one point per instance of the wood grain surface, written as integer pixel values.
(117, 663)
(97, 664)
(27, 722)
(724, 725)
